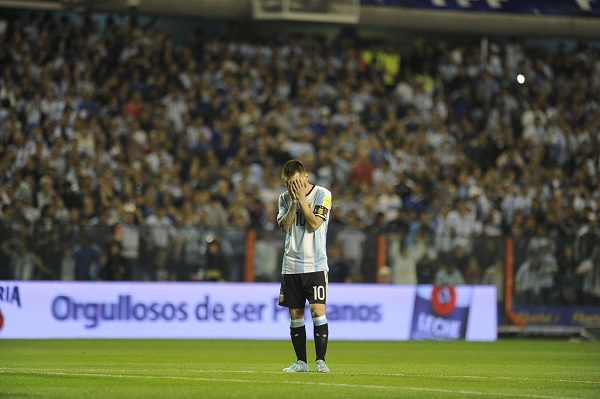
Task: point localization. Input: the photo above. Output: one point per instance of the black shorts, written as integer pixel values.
(296, 289)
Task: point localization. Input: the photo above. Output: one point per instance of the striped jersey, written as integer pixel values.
(306, 252)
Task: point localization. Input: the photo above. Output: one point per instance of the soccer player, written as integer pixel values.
(304, 217)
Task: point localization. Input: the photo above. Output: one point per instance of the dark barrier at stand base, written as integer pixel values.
(593, 332)
(567, 332)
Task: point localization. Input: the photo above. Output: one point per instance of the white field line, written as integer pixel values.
(439, 376)
(304, 382)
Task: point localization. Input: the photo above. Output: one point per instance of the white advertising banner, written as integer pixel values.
(240, 311)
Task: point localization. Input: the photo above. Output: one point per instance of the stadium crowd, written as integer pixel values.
(125, 155)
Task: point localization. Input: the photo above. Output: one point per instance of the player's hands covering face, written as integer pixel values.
(297, 187)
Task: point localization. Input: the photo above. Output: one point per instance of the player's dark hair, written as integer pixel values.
(292, 167)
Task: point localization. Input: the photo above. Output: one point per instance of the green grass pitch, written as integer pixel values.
(537, 369)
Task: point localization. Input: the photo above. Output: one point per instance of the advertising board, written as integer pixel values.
(240, 311)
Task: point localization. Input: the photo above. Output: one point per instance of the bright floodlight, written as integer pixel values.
(520, 79)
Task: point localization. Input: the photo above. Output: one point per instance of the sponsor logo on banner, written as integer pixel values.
(559, 315)
(9, 295)
(440, 312)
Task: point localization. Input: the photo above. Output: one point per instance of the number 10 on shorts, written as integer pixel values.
(319, 292)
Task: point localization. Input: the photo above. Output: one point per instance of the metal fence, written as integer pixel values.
(539, 270)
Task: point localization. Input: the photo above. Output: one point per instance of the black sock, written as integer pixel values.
(321, 338)
(298, 335)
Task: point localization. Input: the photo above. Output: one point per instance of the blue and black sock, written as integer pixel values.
(298, 335)
(321, 333)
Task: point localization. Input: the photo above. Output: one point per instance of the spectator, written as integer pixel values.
(67, 265)
(217, 263)
(368, 272)
(494, 275)
(46, 193)
(187, 252)
(589, 269)
(129, 232)
(88, 262)
(417, 200)
(384, 275)
(339, 268)
(528, 150)
(161, 232)
(461, 224)
(473, 273)
(449, 274)
(568, 283)
(48, 246)
(388, 202)
(24, 263)
(427, 267)
(548, 269)
(351, 238)
(361, 171)
(534, 278)
(268, 256)
(588, 236)
(116, 268)
(405, 258)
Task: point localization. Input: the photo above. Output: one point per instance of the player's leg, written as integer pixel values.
(321, 330)
(298, 333)
(290, 296)
(317, 300)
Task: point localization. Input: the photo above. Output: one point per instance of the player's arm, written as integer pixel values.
(286, 221)
(313, 222)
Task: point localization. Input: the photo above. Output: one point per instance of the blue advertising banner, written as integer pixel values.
(535, 7)
(585, 316)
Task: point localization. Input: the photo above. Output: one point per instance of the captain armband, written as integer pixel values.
(320, 210)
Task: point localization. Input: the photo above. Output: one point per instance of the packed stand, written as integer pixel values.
(125, 155)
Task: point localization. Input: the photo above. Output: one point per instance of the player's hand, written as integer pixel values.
(291, 190)
(297, 187)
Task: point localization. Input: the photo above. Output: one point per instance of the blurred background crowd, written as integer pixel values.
(125, 155)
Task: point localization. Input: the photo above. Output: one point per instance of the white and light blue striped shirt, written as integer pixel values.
(306, 252)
